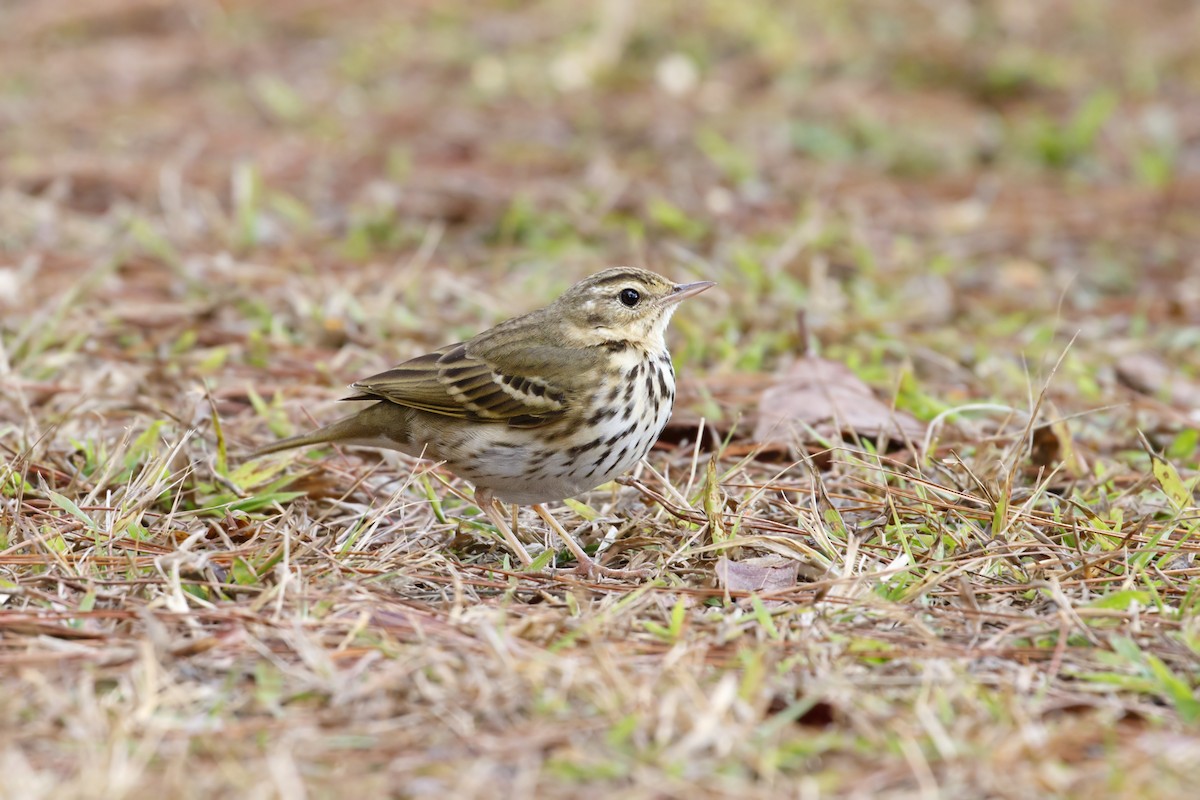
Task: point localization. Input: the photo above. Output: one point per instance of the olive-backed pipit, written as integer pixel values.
(541, 407)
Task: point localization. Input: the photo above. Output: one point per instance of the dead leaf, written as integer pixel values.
(829, 398)
(1149, 375)
(762, 574)
(1047, 448)
(820, 714)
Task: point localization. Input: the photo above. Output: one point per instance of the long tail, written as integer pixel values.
(383, 424)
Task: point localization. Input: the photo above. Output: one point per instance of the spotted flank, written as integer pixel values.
(527, 466)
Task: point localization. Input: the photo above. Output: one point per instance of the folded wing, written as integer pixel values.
(467, 380)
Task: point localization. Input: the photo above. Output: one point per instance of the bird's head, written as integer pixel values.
(623, 304)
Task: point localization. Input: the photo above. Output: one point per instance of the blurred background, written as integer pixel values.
(952, 189)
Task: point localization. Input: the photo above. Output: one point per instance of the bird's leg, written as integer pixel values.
(491, 508)
(587, 566)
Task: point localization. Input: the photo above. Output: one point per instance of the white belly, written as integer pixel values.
(520, 467)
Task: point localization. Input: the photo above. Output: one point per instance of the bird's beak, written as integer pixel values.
(685, 290)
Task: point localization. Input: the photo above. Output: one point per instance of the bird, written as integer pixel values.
(541, 407)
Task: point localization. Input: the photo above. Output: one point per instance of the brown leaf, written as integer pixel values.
(762, 574)
(1047, 448)
(1149, 375)
(829, 398)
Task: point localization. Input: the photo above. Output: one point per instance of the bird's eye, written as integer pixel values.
(629, 297)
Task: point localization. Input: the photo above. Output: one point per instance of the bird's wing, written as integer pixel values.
(464, 380)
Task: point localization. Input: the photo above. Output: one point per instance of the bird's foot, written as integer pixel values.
(591, 569)
(588, 567)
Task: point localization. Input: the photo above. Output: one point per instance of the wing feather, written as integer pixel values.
(454, 381)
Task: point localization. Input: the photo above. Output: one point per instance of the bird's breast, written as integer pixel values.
(608, 432)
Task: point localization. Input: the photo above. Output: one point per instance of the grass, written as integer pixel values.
(213, 218)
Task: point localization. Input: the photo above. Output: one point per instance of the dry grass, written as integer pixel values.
(215, 215)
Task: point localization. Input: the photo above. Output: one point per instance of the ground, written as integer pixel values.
(215, 215)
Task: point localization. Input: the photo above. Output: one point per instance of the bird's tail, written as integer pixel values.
(383, 424)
